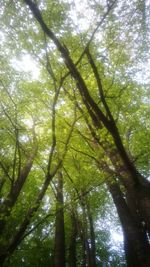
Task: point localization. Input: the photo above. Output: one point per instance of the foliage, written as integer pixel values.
(47, 116)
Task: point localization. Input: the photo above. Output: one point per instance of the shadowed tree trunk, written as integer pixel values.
(81, 227)
(92, 237)
(136, 245)
(72, 257)
(2, 182)
(84, 233)
(59, 250)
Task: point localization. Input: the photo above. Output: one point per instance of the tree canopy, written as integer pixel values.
(74, 161)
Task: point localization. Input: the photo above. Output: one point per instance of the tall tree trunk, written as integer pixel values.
(92, 237)
(84, 233)
(138, 195)
(59, 250)
(72, 257)
(81, 227)
(136, 245)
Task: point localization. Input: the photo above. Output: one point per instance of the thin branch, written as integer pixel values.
(68, 175)
(37, 225)
(84, 92)
(99, 83)
(66, 146)
(5, 171)
(48, 64)
(53, 128)
(15, 155)
(95, 30)
(7, 115)
(9, 95)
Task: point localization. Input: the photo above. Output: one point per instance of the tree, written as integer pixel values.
(136, 185)
(86, 74)
(16, 171)
(59, 251)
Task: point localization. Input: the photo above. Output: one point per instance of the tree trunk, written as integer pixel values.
(138, 195)
(59, 250)
(92, 237)
(86, 252)
(81, 227)
(72, 257)
(136, 245)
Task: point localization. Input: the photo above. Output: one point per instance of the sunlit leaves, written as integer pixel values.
(30, 116)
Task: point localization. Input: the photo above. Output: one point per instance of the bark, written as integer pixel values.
(138, 196)
(59, 250)
(88, 252)
(81, 227)
(83, 230)
(136, 245)
(143, 193)
(2, 182)
(92, 237)
(72, 257)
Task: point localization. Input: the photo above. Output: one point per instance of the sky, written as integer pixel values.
(26, 64)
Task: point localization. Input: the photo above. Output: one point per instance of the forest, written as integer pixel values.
(75, 133)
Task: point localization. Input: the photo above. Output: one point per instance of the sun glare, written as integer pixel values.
(26, 64)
